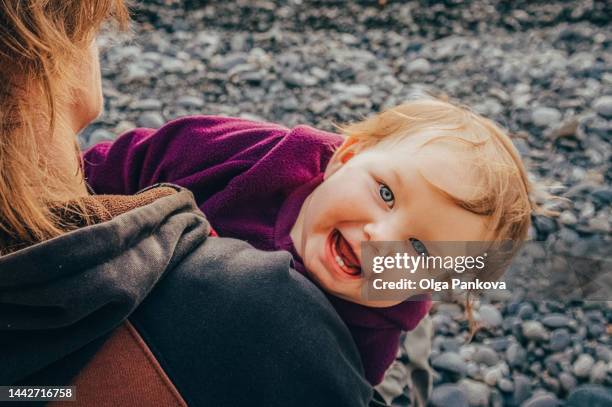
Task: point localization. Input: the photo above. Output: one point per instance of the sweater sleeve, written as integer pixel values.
(376, 331)
(201, 153)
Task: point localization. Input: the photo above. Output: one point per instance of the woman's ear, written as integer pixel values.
(345, 152)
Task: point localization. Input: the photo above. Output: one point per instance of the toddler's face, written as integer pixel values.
(380, 194)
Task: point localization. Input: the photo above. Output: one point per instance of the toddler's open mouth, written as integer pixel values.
(343, 255)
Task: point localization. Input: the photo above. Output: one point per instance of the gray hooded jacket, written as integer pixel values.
(230, 325)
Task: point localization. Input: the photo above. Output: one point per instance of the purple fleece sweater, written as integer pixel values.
(250, 179)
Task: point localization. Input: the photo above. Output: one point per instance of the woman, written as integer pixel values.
(229, 325)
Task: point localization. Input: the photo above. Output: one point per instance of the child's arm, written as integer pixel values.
(202, 153)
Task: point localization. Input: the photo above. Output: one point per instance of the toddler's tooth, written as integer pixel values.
(339, 261)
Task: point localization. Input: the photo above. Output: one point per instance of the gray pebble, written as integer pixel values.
(477, 393)
(603, 195)
(590, 395)
(297, 79)
(485, 355)
(442, 323)
(352, 90)
(100, 135)
(516, 355)
(551, 383)
(556, 321)
(496, 399)
(588, 210)
(545, 116)
(603, 353)
(319, 73)
(152, 120)
(208, 42)
(190, 102)
(568, 381)
(599, 372)
(600, 224)
(452, 309)
(173, 65)
(238, 42)
(319, 106)
(498, 295)
(553, 363)
(512, 325)
(254, 77)
(124, 126)
(135, 73)
(448, 395)
(449, 361)
(567, 128)
(525, 311)
(534, 330)
(498, 344)
(544, 224)
(559, 340)
(522, 146)
(238, 72)
(603, 106)
(472, 370)
(522, 388)
(418, 66)
(492, 375)
(595, 329)
(450, 344)
(489, 107)
(151, 56)
(227, 62)
(505, 385)
(490, 315)
(126, 52)
(568, 218)
(146, 104)
(542, 400)
(467, 351)
(583, 365)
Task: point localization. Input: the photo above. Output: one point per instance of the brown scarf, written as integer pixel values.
(100, 208)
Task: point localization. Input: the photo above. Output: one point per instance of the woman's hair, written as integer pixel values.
(42, 46)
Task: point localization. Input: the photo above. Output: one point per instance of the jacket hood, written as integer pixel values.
(61, 294)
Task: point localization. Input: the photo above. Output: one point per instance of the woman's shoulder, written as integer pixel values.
(254, 280)
(234, 309)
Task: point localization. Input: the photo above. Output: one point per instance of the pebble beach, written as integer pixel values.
(543, 70)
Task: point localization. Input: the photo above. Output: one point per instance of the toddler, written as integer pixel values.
(426, 170)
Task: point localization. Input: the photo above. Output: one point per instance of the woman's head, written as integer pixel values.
(50, 90)
(424, 171)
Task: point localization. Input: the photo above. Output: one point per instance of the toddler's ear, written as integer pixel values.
(345, 152)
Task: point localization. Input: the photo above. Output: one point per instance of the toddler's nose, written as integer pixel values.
(368, 231)
(380, 231)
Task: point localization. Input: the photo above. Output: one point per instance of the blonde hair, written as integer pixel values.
(42, 43)
(503, 193)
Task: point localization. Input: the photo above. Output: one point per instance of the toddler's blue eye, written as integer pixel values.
(386, 195)
(419, 247)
